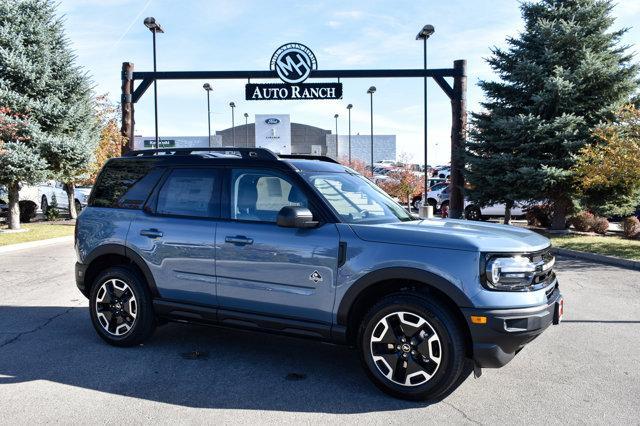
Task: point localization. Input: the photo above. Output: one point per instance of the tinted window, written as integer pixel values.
(125, 183)
(190, 192)
(259, 195)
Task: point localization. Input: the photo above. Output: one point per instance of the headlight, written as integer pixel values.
(518, 272)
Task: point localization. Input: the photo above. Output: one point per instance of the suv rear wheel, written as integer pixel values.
(121, 308)
(411, 348)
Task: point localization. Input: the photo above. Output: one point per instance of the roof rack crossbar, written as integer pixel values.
(245, 153)
(308, 157)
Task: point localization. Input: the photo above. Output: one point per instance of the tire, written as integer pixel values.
(78, 206)
(27, 210)
(123, 322)
(44, 205)
(432, 353)
(472, 213)
(416, 203)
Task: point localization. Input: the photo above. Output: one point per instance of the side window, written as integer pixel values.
(190, 192)
(258, 195)
(125, 183)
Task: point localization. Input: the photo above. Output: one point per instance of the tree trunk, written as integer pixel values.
(70, 189)
(14, 207)
(507, 212)
(560, 209)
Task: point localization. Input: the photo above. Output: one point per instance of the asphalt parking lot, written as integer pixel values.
(54, 368)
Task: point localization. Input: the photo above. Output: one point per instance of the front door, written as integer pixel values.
(175, 235)
(267, 269)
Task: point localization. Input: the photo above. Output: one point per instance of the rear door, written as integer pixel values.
(267, 269)
(175, 234)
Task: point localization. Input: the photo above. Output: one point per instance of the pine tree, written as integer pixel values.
(565, 74)
(39, 78)
(20, 160)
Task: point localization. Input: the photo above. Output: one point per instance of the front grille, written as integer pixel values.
(544, 275)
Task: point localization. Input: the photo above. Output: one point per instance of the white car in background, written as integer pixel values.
(47, 191)
(82, 197)
(474, 212)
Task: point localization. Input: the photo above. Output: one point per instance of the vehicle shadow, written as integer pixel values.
(193, 366)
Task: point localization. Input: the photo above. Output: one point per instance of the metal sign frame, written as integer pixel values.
(131, 94)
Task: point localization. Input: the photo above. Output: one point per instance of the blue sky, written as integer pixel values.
(242, 35)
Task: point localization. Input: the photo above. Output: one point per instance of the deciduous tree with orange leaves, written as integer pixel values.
(608, 172)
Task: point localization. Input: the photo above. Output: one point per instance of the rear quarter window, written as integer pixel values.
(125, 183)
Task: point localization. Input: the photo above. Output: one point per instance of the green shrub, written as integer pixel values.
(539, 215)
(583, 221)
(53, 213)
(631, 227)
(600, 225)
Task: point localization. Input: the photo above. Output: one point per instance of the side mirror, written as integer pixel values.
(296, 217)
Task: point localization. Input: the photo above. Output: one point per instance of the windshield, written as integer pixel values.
(355, 199)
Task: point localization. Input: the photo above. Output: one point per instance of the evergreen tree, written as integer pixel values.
(39, 78)
(565, 74)
(20, 160)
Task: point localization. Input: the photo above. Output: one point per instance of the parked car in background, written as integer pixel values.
(47, 191)
(34, 198)
(474, 212)
(432, 194)
(82, 197)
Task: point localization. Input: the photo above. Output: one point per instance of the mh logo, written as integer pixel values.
(293, 62)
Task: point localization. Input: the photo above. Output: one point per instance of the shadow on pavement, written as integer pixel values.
(193, 366)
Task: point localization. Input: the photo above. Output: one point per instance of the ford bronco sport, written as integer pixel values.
(304, 246)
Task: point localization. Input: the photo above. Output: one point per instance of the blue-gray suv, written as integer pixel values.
(304, 246)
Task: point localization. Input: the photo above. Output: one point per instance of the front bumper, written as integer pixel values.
(509, 330)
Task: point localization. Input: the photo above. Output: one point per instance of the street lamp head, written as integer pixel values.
(153, 26)
(207, 87)
(232, 104)
(349, 106)
(371, 90)
(246, 115)
(425, 32)
(336, 116)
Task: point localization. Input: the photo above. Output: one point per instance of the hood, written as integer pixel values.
(454, 234)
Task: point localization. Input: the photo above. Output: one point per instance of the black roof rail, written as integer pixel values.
(245, 153)
(308, 157)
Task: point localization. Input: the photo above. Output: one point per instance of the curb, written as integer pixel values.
(31, 244)
(608, 260)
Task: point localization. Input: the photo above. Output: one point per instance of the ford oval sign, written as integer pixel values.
(272, 121)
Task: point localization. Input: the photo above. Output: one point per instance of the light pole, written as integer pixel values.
(246, 129)
(207, 87)
(233, 123)
(424, 35)
(349, 109)
(154, 27)
(336, 117)
(371, 91)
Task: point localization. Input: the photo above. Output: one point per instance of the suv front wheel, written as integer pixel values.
(121, 308)
(411, 348)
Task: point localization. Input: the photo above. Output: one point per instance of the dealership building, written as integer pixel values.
(278, 133)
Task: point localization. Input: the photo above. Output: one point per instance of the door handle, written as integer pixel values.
(151, 233)
(239, 239)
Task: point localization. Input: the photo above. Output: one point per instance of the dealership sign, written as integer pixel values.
(293, 63)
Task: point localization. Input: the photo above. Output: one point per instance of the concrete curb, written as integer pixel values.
(608, 260)
(31, 244)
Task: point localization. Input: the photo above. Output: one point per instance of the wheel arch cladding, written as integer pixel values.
(370, 288)
(114, 255)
